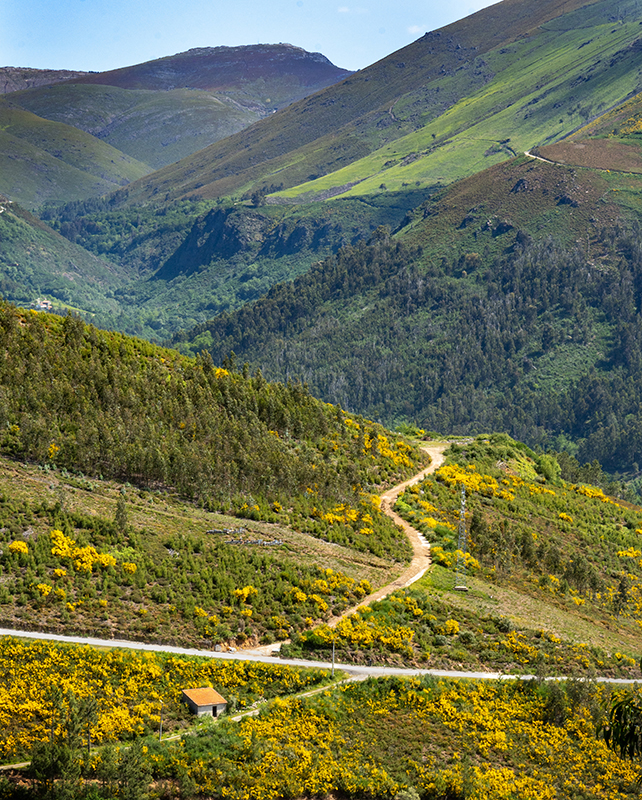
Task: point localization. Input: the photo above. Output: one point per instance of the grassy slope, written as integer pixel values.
(155, 127)
(45, 161)
(291, 471)
(542, 87)
(164, 110)
(548, 557)
(166, 586)
(36, 261)
(353, 119)
(528, 549)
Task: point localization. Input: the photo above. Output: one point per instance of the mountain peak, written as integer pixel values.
(222, 68)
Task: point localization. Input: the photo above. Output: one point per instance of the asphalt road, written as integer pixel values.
(249, 655)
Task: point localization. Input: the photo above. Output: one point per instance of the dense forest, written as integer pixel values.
(107, 404)
(541, 341)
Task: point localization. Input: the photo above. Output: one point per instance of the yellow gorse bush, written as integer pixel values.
(128, 686)
(593, 492)
(455, 475)
(83, 558)
(348, 743)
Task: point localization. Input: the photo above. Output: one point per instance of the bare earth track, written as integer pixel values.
(417, 568)
(420, 548)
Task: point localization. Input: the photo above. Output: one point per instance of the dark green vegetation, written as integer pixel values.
(35, 262)
(568, 556)
(623, 730)
(520, 314)
(189, 260)
(78, 401)
(124, 408)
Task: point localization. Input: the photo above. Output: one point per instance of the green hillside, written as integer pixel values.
(36, 262)
(154, 127)
(188, 261)
(94, 417)
(214, 464)
(552, 571)
(82, 535)
(470, 89)
(519, 313)
(162, 111)
(43, 161)
(502, 92)
(537, 90)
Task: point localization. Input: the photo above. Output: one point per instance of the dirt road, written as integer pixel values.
(420, 547)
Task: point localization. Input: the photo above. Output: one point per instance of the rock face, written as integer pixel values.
(224, 233)
(15, 79)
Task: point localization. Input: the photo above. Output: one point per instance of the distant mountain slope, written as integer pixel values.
(164, 110)
(156, 127)
(485, 75)
(522, 313)
(14, 79)
(226, 68)
(188, 261)
(37, 262)
(43, 161)
(537, 90)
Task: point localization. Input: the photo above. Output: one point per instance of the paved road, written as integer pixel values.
(269, 653)
(249, 655)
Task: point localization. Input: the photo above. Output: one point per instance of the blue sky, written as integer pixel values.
(105, 34)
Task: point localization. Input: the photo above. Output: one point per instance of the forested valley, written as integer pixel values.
(542, 342)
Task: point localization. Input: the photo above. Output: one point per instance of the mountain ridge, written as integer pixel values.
(221, 67)
(161, 111)
(363, 101)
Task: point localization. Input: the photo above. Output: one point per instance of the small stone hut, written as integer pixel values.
(204, 701)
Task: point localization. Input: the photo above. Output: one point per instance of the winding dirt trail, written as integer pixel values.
(420, 548)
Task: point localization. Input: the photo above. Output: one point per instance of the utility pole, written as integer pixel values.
(460, 577)
(333, 638)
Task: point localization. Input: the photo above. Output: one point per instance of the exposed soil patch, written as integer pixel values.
(595, 154)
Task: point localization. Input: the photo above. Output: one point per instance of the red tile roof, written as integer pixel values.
(205, 696)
